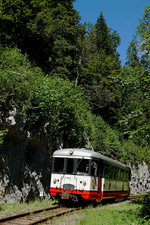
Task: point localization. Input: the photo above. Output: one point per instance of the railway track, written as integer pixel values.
(136, 197)
(44, 214)
(37, 216)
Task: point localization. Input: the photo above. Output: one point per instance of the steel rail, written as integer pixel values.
(136, 197)
(15, 216)
(36, 217)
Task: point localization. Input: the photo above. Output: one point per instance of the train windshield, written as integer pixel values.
(71, 166)
(58, 165)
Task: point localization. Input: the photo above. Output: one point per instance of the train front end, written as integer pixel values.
(71, 176)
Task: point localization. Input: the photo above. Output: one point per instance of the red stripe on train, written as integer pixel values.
(89, 195)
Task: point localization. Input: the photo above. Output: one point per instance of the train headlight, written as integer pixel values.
(54, 181)
(84, 183)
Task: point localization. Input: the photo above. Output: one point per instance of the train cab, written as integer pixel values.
(84, 174)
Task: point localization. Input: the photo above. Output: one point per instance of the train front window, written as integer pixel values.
(82, 166)
(58, 165)
(70, 165)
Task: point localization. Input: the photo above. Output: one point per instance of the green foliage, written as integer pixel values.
(50, 104)
(104, 39)
(134, 105)
(47, 30)
(2, 135)
(144, 42)
(132, 55)
(59, 108)
(121, 214)
(103, 138)
(99, 61)
(134, 153)
(30, 206)
(145, 210)
(16, 81)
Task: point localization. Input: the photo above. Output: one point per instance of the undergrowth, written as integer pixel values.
(117, 214)
(8, 208)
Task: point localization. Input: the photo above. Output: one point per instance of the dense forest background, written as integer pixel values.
(65, 79)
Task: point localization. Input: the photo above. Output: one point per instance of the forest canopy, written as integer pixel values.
(67, 81)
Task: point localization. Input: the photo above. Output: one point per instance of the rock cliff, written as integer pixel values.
(24, 169)
(140, 179)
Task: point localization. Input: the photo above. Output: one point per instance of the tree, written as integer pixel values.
(99, 62)
(132, 55)
(58, 109)
(48, 31)
(16, 81)
(103, 38)
(144, 35)
(134, 119)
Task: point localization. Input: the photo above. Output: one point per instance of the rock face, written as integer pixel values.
(140, 179)
(24, 169)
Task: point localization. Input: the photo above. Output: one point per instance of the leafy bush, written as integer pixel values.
(103, 138)
(145, 210)
(59, 109)
(17, 77)
(135, 153)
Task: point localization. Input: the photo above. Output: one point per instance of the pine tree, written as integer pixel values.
(132, 55)
(103, 39)
(143, 38)
(100, 63)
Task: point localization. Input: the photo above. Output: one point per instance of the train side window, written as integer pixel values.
(125, 175)
(111, 172)
(122, 174)
(82, 166)
(117, 173)
(106, 171)
(94, 168)
(58, 165)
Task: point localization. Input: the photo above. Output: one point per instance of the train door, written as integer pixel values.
(101, 181)
(96, 176)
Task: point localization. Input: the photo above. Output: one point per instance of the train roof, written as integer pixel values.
(76, 152)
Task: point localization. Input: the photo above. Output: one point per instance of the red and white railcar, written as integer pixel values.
(84, 174)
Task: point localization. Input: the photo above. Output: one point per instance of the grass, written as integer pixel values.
(9, 208)
(125, 213)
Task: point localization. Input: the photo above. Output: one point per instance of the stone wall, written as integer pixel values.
(140, 179)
